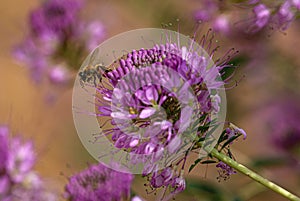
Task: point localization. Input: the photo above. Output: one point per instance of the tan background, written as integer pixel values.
(51, 127)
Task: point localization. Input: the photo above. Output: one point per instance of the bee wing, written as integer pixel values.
(93, 57)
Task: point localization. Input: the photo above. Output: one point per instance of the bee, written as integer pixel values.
(91, 74)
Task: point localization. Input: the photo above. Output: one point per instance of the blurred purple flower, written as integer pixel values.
(3, 147)
(277, 15)
(57, 17)
(211, 12)
(31, 54)
(59, 75)
(262, 16)
(296, 3)
(98, 183)
(57, 35)
(17, 178)
(207, 12)
(283, 119)
(21, 159)
(95, 34)
(284, 16)
(221, 24)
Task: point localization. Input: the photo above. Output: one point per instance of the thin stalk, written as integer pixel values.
(242, 169)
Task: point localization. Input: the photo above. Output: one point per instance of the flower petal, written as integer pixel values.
(147, 112)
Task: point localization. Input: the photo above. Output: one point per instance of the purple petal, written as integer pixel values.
(242, 132)
(174, 144)
(151, 94)
(165, 125)
(147, 112)
(136, 198)
(119, 115)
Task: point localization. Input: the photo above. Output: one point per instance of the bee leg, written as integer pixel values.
(99, 77)
(95, 80)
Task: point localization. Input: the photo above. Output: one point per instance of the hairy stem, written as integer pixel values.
(242, 169)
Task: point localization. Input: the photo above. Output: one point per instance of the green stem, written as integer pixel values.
(242, 169)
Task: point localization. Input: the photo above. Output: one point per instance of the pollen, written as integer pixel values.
(132, 110)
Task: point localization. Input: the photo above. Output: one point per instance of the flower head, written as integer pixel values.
(55, 17)
(150, 97)
(98, 183)
(155, 104)
(57, 41)
(150, 104)
(17, 178)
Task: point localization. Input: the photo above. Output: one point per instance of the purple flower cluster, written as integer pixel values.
(209, 12)
(168, 177)
(224, 171)
(149, 107)
(279, 17)
(17, 178)
(152, 107)
(98, 183)
(58, 40)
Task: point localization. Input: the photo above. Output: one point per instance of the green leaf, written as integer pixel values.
(203, 129)
(212, 130)
(230, 154)
(208, 162)
(201, 139)
(202, 117)
(222, 137)
(194, 164)
(230, 140)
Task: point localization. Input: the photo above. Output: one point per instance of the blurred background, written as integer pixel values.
(265, 102)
